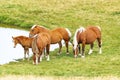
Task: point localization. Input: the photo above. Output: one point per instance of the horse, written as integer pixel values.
(25, 42)
(40, 42)
(86, 36)
(57, 35)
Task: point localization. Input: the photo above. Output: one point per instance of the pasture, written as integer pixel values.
(68, 14)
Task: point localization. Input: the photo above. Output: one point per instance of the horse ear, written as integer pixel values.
(12, 37)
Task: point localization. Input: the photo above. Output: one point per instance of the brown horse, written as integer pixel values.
(86, 36)
(40, 42)
(56, 35)
(25, 42)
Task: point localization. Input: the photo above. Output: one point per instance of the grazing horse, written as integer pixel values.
(86, 36)
(56, 35)
(25, 42)
(40, 42)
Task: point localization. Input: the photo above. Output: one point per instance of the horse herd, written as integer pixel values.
(40, 39)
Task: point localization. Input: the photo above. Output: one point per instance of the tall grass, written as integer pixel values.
(70, 14)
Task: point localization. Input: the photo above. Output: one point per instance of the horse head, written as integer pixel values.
(33, 31)
(37, 29)
(75, 44)
(15, 41)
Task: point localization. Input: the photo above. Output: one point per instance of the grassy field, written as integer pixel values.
(70, 14)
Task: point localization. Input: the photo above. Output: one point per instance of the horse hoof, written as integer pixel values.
(75, 56)
(48, 60)
(34, 63)
(79, 54)
(58, 53)
(67, 53)
(89, 53)
(83, 56)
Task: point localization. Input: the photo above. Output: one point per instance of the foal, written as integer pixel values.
(86, 36)
(25, 42)
(40, 42)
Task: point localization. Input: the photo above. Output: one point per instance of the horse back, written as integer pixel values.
(88, 36)
(91, 36)
(63, 32)
(25, 41)
(96, 30)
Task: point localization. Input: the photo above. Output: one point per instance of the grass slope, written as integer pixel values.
(70, 14)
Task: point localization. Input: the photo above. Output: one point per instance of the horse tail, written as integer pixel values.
(68, 31)
(34, 45)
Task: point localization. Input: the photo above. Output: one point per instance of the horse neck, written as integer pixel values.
(19, 41)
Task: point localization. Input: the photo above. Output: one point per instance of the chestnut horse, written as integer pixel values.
(86, 36)
(25, 42)
(56, 35)
(40, 42)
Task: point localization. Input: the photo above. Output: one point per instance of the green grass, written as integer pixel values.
(70, 14)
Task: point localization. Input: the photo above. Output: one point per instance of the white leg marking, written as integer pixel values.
(75, 56)
(48, 58)
(33, 62)
(83, 56)
(90, 51)
(36, 59)
(41, 58)
(100, 51)
(79, 54)
(67, 53)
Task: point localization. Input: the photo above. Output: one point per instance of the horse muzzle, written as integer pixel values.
(14, 46)
(30, 35)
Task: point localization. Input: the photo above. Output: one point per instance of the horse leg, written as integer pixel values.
(34, 58)
(79, 49)
(28, 54)
(47, 50)
(91, 48)
(66, 44)
(42, 55)
(83, 49)
(24, 53)
(60, 46)
(99, 44)
(37, 58)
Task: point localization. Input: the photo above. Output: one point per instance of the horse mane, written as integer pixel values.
(99, 28)
(39, 26)
(69, 33)
(75, 42)
(81, 29)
